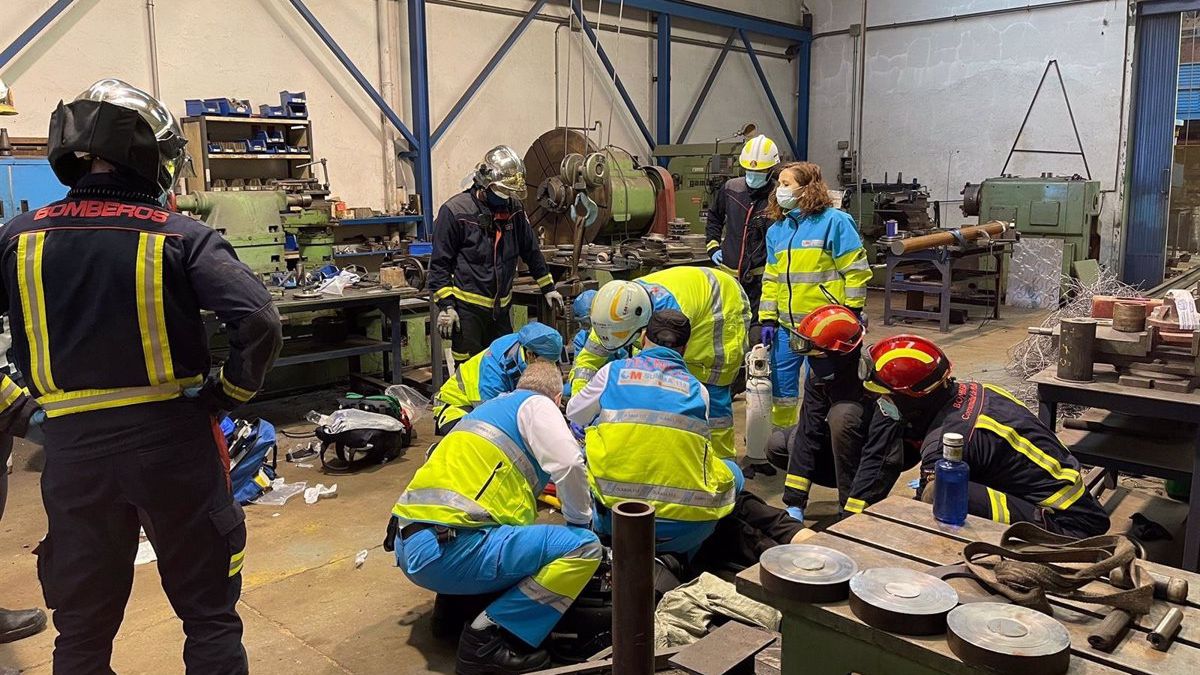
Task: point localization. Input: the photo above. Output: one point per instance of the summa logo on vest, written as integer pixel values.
(650, 378)
(98, 209)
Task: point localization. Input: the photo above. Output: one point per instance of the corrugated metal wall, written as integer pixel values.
(1153, 118)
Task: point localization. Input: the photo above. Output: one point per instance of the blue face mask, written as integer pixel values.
(495, 201)
(786, 197)
(756, 179)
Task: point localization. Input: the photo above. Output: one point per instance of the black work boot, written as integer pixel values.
(16, 624)
(492, 651)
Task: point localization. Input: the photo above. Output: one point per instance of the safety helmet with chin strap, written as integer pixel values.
(909, 365)
(123, 125)
(620, 313)
(831, 329)
(503, 171)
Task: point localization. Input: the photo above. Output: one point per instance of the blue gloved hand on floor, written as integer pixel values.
(796, 512)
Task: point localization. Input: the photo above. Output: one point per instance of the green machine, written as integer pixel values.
(250, 220)
(1059, 207)
(699, 171)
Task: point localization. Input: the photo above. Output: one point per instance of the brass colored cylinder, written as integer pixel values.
(1129, 317)
(945, 238)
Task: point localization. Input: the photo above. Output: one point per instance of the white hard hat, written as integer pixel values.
(621, 309)
(759, 154)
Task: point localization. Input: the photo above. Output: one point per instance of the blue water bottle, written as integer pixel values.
(951, 475)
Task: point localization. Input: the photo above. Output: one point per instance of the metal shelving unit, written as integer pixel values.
(211, 167)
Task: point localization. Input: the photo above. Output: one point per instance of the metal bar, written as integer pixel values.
(612, 72)
(662, 107)
(762, 78)
(972, 15)
(708, 83)
(1071, 114)
(487, 70)
(803, 65)
(633, 588)
(722, 17)
(1026, 120)
(1050, 152)
(39, 24)
(348, 64)
(418, 65)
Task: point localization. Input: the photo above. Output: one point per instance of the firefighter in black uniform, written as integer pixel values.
(477, 237)
(104, 291)
(737, 223)
(825, 446)
(1020, 471)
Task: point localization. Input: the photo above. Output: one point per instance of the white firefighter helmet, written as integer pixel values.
(759, 154)
(620, 312)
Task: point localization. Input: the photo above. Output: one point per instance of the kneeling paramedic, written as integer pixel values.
(719, 313)
(493, 371)
(105, 290)
(1020, 471)
(466, 523)
(649, 440)
(832, 427)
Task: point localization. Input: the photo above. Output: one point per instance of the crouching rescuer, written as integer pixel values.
(105, 290)
(466, 523)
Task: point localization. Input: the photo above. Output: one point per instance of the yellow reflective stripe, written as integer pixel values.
(443, 293)
(62, 403)
(903, 352)
(233, 391)
(712, 245)
(833, 318)
(1005, 393)
(797, 482)
(152, 320)
(10, 393)
(854, 505)
(546, 280)
(1065, 497)
(476, 299)
(33, 307)
(566, 576)
(1031, 451)
(236, 562)
(999, 502)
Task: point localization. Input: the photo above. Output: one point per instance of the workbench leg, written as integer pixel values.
(1048, 413)
(996, 284)
(436, 361)
(887, 294)
(1191, 540)
(943, 267)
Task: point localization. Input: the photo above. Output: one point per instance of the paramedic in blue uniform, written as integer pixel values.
(104, 291)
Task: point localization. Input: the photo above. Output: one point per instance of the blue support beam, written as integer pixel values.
(762, 78)
(10, 52)
(723, 17)
(419, 83)
(348, 64)
(487, 70)
(612, 72)
(804, 54)
(708, 83)
(662, 107)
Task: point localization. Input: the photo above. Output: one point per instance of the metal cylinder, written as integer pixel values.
(633, 588)
(1111, 630)
(1076, 347)
(947, 238)
(1171, 589)
(1164, 633)
(1129, 317)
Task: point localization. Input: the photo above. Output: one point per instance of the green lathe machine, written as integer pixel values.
(699, 170)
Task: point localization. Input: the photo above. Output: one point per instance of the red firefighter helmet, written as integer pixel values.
(904, 364)
(831, 328)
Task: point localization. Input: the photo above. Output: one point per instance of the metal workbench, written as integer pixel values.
(941, 260)
(1172, 408)
(901, 532)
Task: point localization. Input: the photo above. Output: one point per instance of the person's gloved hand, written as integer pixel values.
(718, 256)
(796, 513)
(577, 431)
(768, 332)
(447, 322)
(36, 419)
(556, 302)
(193, 392)
(750, 468)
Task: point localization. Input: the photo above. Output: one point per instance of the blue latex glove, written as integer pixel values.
(36, 419)
(915, 483)
(796, 513)
(717, 256)
(193, 392)
(577, 431)
(768, 334)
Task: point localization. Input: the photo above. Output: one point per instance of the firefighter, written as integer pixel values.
(1020, 471)
(738, 221)
(494, 371)
(478, 236)
(648, 439)
(832, 429)
(814, 257)
(466, 523)
(104, 291)
(717, 308)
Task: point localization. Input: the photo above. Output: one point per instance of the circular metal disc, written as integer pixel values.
(999, 635)
(902, 600)
(807, 573)
(542, 162)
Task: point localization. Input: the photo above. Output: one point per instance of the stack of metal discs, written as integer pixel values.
(902, 601)
(805, 573)
(1008, 638)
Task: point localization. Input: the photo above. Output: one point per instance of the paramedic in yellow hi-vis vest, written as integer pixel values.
(815, 257)
(466, 523)
(104, 291)
(719, 314)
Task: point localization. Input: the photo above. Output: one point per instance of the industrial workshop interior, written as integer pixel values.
(599, 337)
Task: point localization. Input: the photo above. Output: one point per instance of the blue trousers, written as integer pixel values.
(541, 568)
(673, 536)
(786, 367)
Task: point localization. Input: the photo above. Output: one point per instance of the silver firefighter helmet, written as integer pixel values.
(503, 171)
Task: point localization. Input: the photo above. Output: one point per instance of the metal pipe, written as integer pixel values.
(861, 84)
(961, 17)
(766, 85)
(633, 588)
(803, 66)
(419, 81)
(948, 237)
(152, 34)
(1164, 633)
(387, 88)
(662, 63)
(39, 24)
(1076, 347)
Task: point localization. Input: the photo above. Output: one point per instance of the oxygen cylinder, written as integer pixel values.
(758, 402)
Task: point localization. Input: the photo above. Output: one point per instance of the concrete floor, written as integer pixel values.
(306, 608)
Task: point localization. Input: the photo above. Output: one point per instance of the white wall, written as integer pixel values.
(255, 48)
(944, 101)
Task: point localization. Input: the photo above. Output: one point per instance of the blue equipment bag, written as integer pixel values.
(249, 442)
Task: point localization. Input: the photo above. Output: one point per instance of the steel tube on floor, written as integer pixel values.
(633, 588)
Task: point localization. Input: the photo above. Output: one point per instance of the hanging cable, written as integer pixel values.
(616, 50)
(591, 97)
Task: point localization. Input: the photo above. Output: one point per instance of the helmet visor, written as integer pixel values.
(512, 186)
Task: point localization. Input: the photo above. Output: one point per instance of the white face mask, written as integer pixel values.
(786, 197)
